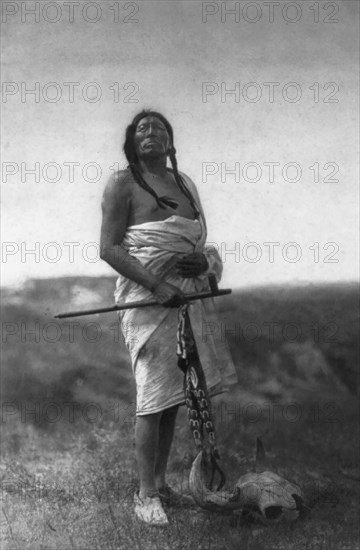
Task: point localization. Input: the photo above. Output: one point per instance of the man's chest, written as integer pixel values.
(145, 208)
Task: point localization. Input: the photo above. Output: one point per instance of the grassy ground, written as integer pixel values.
(70, 486)
(68, 468)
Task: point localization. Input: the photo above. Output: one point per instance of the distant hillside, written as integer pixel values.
(287, 342)
(64, 292)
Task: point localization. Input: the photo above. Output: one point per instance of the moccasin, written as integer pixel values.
(149, 510)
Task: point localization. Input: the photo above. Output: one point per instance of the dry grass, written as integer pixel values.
(69, 484)
(71, 487)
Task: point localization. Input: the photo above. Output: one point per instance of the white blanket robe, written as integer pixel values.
(150, 333)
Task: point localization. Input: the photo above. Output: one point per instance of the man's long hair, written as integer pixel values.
(130, 153)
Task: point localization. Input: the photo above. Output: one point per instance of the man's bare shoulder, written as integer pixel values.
(187, 179)
(118, 187)
(189, 182)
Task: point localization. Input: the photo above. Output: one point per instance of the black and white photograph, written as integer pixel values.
(180, 275)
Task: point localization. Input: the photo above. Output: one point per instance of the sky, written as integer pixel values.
(264, 105)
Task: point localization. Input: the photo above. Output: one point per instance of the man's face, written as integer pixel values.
(151, 138)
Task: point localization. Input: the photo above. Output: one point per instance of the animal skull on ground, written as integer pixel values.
(267, 496)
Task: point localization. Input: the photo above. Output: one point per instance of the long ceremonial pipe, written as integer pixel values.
(215, 291)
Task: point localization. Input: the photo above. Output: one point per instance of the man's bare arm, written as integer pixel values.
(116, 207)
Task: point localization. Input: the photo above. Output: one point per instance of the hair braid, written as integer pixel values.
(179, 180)
(164, 201)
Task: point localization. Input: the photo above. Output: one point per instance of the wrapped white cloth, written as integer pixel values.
(150, 333)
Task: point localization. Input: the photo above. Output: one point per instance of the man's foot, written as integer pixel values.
(150, 510)
(169, 497)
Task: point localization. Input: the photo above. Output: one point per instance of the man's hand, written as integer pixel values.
(168, 295)
(192, 265)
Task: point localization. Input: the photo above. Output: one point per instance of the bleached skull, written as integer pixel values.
(267, 496)
(270, 497)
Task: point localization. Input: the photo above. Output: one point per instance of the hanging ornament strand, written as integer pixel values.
(196, 393)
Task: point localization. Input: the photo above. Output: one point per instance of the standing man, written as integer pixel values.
(153, 234)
